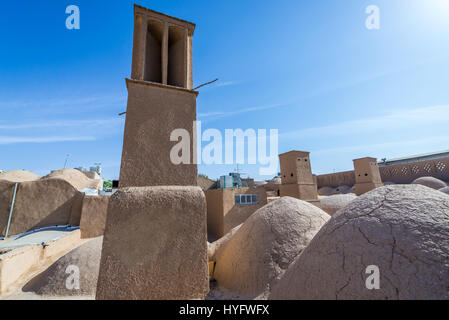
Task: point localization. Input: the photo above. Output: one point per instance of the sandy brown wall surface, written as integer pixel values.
(205, 183)
(38, 204)
(336, 179)
(222, 213)
(237, 214)
(93, 216)
(153, 113)
(215, 213)
(155, 245)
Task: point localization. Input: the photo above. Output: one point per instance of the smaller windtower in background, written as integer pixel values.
(297, 178)
(367, 175)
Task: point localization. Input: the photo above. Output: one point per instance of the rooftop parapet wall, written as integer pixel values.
(399, 174)
(40, 203)
(407, 173)
(336, 179)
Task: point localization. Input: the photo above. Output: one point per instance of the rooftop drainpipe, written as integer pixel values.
(11, 209)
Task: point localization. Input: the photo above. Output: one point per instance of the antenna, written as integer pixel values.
(238, 170)
(66, 159)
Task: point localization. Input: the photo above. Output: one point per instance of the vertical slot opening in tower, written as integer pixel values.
(176, 57)
(153, 59)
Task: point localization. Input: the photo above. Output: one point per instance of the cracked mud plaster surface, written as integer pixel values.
(402, 229)
(430, 182)
(331, 204)
(266, 244)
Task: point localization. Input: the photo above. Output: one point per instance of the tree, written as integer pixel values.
(107, 184)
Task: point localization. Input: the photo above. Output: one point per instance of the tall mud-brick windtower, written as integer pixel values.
(297, 178)
(155, 238)
(367, 175)
(160, 100)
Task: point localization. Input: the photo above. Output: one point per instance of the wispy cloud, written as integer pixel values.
(210, 114)
(65, 104)
(227, 83)
(60, 123)
(221, 84)
(14, 140)
(374, 147)
(61, 102)
(392, 121)
(52, 131)
(222, 114)
(349, 84)
(366, 78)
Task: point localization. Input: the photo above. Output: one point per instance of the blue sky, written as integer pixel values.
(308, 68)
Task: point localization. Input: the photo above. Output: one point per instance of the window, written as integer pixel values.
(237, 199)
(246, 199)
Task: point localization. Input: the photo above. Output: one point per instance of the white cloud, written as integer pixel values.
(65, 104)
(210, 114)
(221, 84)
(386, 146)
(394, 121)
(222, 114)
(60, 123)
(61, 101)
(14, 140)
(227, 83)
